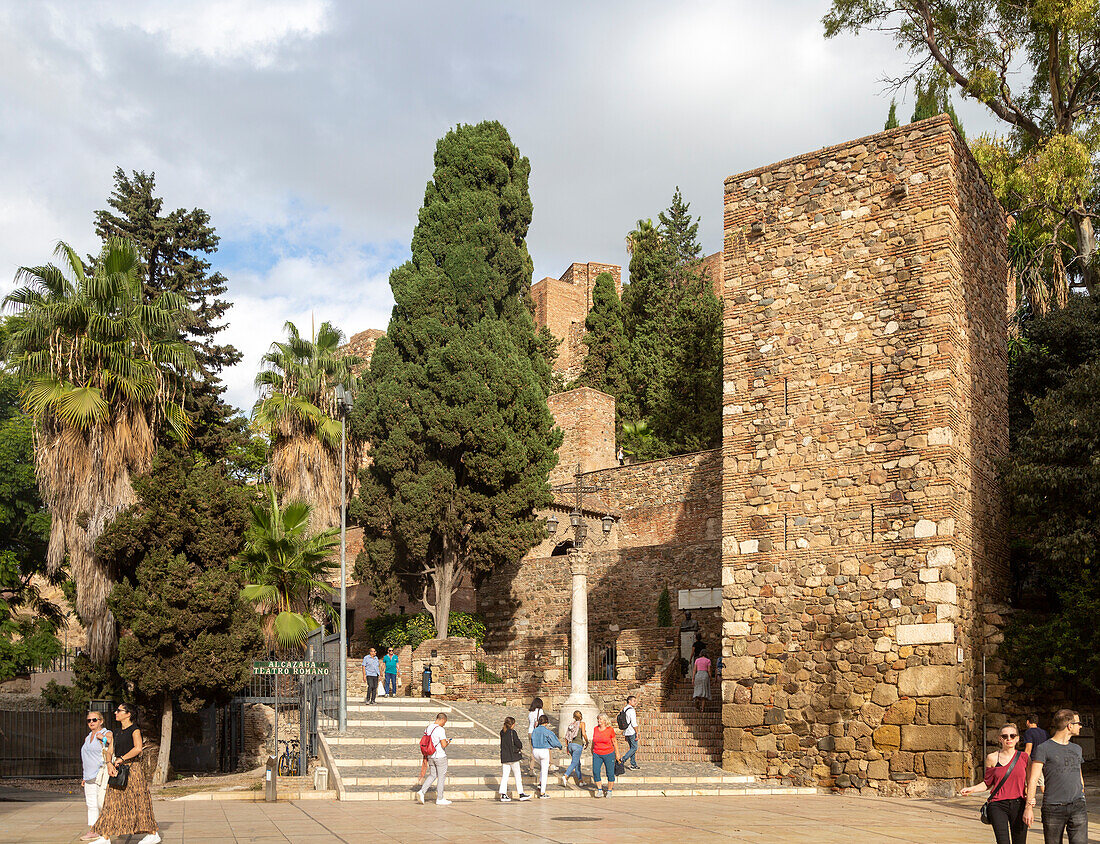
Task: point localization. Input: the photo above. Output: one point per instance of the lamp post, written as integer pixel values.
(579, 698)
(344, 403)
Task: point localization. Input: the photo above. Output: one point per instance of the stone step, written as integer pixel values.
(623, 789)
(413, 764)
(360, 721)
(389, 739)
(427, 708)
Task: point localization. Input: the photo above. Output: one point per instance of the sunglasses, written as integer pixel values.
(93, 720)
(1008, 735)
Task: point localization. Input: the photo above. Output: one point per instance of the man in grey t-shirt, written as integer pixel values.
(1058, 760)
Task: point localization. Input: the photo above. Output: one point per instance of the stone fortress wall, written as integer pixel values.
(561, 304)
(865, 404)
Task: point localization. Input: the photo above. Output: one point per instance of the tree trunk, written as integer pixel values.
(1086, 248)
(160, 775)
(444, 579)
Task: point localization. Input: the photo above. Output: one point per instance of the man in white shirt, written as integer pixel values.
(631, 731)
(437, 762)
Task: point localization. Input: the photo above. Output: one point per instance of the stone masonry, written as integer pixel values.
(561, 304)
(864, 409)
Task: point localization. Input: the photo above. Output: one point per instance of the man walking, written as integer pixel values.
(629, 715)
(1059, 762)
(437, 761)
(390, 659)
(1033, 736)
(370, 675)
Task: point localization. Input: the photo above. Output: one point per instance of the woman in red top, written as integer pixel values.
(1006, 810)
(603, 753)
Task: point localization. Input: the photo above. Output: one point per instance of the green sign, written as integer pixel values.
(287, 667)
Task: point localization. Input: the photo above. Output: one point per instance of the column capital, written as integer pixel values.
(578, 562)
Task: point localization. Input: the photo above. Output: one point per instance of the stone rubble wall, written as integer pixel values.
(864, 408)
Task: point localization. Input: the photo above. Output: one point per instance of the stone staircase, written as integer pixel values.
(379, 759)
(678, 733)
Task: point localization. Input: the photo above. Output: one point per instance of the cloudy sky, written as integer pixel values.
(306, 127)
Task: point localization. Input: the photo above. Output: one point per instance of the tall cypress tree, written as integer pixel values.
(680, 233)
(932, 99)
(462, 441)
(172, 247)
(892, 121)
(607, 363)
(647, 308)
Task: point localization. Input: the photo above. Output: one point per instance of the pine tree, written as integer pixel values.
(932, 99)
(462, 441)
(680, 232)
(189, 638)
(608, 360)
(172, 247)
(892, 121)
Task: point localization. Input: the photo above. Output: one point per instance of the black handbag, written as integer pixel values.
(984, 812)
(620, 768)
(118, 781)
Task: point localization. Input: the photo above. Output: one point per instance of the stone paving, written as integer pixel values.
(780, 819)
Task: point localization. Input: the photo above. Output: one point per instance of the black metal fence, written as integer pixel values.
(41, 744)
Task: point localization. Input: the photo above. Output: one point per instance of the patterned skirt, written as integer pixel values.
(130, 811)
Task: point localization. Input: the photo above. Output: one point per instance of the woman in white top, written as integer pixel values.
(533, 714)
(93, 759)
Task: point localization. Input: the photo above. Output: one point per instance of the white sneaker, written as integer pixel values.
(608, 793)
(151, 838)
(504, 798)
(523, 797)
(565, 782)
(420, 797)
(599, 793)
(443, 802)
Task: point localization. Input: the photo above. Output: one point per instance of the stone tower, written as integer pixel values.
(864, 408)
(561, 304)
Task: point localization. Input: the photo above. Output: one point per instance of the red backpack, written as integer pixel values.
(427, 746)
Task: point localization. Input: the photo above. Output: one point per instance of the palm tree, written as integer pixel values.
(297, 408)
(102, 369)
(285, 566)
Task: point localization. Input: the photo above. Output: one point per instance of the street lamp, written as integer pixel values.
(344, 402)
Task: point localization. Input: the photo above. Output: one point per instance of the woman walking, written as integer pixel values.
(93, 759)
(1006, 780)
(576, 740)
(542, 740)
(511, 752)
(603, 753)
(700, 671)
(128, 811)
(534, 712)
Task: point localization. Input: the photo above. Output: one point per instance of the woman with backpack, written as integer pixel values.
(542, 740)
(603, 753)
(534, 712)
(576, 740)
(511, 752)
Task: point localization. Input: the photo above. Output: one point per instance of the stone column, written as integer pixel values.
(578, 649)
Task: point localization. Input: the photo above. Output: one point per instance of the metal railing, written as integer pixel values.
(43, 744)
(62, 662)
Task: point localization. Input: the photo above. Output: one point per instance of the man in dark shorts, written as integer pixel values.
(1059, 762)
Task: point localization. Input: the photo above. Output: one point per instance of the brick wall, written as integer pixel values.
(561, 304)
(587, 419)
(667, 534)
(863, 410)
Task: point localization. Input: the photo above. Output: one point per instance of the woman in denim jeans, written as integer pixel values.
(576, 739)
(604, 754)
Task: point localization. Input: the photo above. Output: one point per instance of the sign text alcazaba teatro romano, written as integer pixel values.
(288, 667)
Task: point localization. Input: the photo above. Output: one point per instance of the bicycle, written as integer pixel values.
(288, 759)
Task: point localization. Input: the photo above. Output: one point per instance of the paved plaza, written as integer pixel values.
(821, 819)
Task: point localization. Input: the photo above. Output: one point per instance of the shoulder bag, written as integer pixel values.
(118, 781)
(984, 812)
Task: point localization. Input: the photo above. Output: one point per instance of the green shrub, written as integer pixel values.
(57, 696)
(664, 609)
(484, 675)
(395, 631)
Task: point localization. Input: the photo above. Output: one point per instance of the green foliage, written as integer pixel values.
(396, 631)
(680, 235)
(607, 364)
(484, 675)
(71, 698)
(191, 636)
(647, 309)
(664, 609)
(932, 99)
(286, 566)
(461, 439)
(892, 118)
(28, 622)
(639, 443)
(172, 249)
(1052, 480)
